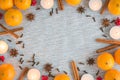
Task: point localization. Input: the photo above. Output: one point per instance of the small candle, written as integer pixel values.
(95, 5)
(33, 74)
(115, 32)
(3, 47)
(87, 77)
(47, 4)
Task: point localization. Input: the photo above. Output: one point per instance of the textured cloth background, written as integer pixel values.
(58, 39)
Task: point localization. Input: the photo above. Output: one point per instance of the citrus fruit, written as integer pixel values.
(112, 74)
(7, 72)
(73, 2)
(22, 4)
(6, 4)
(62, 77)
(105, 61)
(114, 7)
(117, 56)
(13, 17)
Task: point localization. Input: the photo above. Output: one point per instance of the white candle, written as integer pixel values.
(47, 4)
(3, 47)
(95, 5)
(115, 32)
(87, 77)
(33, 74)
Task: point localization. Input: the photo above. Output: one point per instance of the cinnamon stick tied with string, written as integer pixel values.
(107, 48)
(75, 71)
(107, 41)
(13, 30)
(104, 6)
(60, 5)
(23, 73)
(10, 32)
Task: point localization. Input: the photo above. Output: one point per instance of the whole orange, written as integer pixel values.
(105, 61)
(7, 72)
(13, 17)
(112, 74)
(62, 77)
(114, 7)
(22, 4)
(73, 2)
(117, 56)
(6, 4)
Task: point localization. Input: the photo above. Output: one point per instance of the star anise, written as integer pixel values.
(48, 67)
(91, 61)
(30, 17)
(14, 52)
(81, 9)
(105, 22)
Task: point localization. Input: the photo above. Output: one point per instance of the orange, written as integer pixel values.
(105, 61)
(6, 4)
(22, 4)
(117, 56)
(13, 17)
(112, 74)
(114, 7)
(62, 77)
(7, 72)
(73, 2)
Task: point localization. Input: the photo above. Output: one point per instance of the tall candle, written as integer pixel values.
(47, 4)
(95, 5)
(115, 32)
(33, 74)
(3, 47)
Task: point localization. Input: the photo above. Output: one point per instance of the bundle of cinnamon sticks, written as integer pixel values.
(11, 32)
(113, 44)
(60, 5)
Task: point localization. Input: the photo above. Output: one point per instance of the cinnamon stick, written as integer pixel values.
(60, 5)
(13, 30)
(10, 32)
(23, 73)
(75, 71)
(108, 41)
(104, 6)
(107, 48)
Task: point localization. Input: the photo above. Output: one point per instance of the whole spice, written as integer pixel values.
(30, 17)
(91, 61)
(9, 40)
(105, 22)
(81, 9)
(117, 21)
(19, 42)
(2, 58)
(14, 52)
(97, 73)
(48, 67)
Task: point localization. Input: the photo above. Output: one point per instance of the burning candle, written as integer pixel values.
(87, 77)
(33, 74)
(3, 47)
(47, 4)
(95, 5)
(115, 32)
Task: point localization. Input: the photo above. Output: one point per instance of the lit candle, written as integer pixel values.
(95, 5)
(47, 4)
(87, 77)
(115, 32)
(33, 74)
(3, 47)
